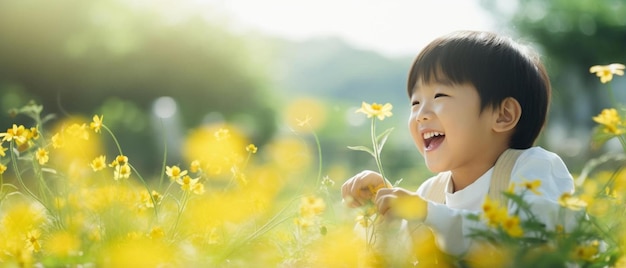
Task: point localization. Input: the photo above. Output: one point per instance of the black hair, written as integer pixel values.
(497, 67)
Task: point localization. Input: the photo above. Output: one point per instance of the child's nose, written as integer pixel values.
(424, 114)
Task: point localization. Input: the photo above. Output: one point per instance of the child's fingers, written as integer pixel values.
(383, 200)
(356, 195)
(359, 189)
(349, 197)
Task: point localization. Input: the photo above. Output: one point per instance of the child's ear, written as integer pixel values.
(507, 115)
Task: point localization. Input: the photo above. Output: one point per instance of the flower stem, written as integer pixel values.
(270, 224)
(181, 208)
(145, 184)
(21, 180)
(119, 148)
(622, 141)
(319, 157)
(377, 151)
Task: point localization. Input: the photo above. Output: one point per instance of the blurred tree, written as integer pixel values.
(74, 56)
(572, 35)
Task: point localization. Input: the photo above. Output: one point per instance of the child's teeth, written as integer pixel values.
(429, 135)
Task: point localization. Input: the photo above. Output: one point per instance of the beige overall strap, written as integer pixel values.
(437, 190)
(502, 175)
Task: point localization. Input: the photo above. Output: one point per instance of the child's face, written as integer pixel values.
(448, 127)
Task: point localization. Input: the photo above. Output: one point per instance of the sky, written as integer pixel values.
(390, 27)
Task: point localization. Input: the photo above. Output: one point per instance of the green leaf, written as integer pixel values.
(382, 138)
(32, 110)
(362, 148)
(473, 217)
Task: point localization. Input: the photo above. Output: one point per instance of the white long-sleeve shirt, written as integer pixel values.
(449, 222)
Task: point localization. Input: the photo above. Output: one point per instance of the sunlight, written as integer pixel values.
(396, 28)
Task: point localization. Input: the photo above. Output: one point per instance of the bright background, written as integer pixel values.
(157, 69)
(393, 28)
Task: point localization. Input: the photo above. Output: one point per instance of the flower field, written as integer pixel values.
(67, 202)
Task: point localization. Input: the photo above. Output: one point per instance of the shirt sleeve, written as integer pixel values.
(537, 164)
(452, 227)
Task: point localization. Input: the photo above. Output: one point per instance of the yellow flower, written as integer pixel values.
(568, 201)
(493, 212)
(251, 148)
(3, 168)
(197, 188)
(119, 160)
(303, 222)
(32, 240)
(311, 206)
(78, 131)
(532, 186)
(611, 121)
(121, 172)
(33, 133)
(57, 141)
(42, 156)
(587, 252)
(96, 124)
(146, 198)
(17, 133)
(195, 166)
(3, 150)
(156, 232)
(375, 109)
(156, 196)
(99, 163)
(606, 72)
(512, 227)
(187, 183)
(174, 172)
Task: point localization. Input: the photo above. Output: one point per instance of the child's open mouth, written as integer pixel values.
(433, 139)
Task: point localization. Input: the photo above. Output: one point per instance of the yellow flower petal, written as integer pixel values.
(378, 110)
(606, 72)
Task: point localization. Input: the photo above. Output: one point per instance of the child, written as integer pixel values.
(478, 99)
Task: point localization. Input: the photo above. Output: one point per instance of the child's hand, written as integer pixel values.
(361, 189)
(400, 203)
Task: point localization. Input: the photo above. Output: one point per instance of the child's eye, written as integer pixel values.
(413, 103)
(440, 95)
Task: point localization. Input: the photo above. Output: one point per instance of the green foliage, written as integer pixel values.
(571, 35)
(85, 56)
